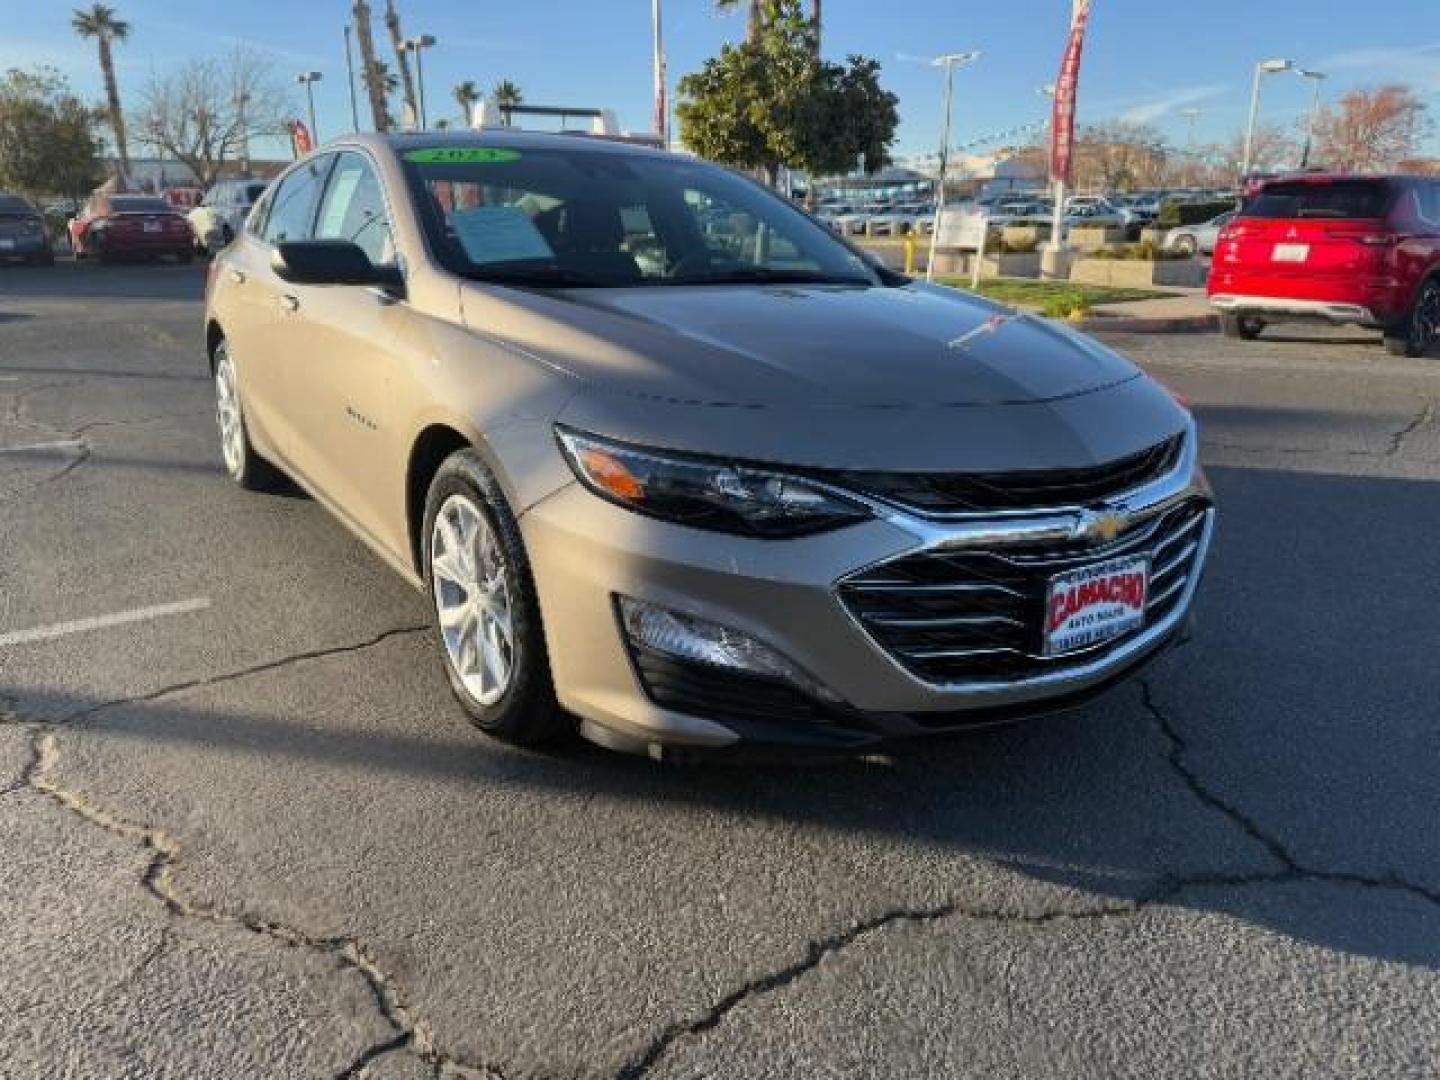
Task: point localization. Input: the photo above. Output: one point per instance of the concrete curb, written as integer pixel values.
(1179, 324)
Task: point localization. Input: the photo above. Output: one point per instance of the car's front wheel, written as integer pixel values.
(486, 614)
(1419, 331)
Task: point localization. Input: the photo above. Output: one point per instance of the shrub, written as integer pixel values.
(1174, 214)
(1065, 305)
(1145, 251)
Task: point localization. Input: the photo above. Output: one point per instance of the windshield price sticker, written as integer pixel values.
(462, 155)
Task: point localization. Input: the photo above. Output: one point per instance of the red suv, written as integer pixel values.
(1347, 249)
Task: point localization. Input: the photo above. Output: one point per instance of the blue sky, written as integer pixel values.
(1144, 59)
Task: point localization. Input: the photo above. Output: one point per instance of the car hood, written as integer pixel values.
(907, 378)
(800, 346)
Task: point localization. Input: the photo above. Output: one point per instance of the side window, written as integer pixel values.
(354, 209)
(292, 207)
(1427, 200)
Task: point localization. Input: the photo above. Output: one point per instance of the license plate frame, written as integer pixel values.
(154, 227)
(1077, 619)
(1290, 253)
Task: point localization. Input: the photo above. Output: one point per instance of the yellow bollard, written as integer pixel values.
(910, 253)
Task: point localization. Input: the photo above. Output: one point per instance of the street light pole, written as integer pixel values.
(309, 79)
(1265, 67)
(1316, 78)
(1191, 115)
(949, 62)
(418, 45)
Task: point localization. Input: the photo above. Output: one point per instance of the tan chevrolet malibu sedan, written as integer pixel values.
(676, 465)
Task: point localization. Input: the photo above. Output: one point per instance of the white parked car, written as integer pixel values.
(1197, 239)
(221, 214)
(896, 221)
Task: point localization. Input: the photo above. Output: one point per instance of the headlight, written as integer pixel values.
(705, 494)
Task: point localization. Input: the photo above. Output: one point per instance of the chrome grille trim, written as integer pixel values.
(1170, 520)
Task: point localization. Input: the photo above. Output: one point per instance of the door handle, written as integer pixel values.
(290, 302)
(237, 276)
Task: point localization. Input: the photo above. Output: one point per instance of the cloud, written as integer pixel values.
(1416, 64)
(1147, 112)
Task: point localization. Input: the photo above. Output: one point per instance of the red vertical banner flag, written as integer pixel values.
(300, 138)
(1062, 119)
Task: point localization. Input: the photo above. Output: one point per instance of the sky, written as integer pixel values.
(1145, 60)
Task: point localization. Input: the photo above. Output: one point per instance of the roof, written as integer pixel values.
(510, 138)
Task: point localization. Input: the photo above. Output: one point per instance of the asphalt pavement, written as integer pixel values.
(248, 832)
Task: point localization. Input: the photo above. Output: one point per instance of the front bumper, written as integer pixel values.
(788, 594)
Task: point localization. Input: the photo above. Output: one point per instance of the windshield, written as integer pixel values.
(139, 206)
(1329, 199)
(590, 217)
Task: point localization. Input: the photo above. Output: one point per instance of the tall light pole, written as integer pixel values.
(949, 62)
(1316, 78)
(1263, 68)
(350, 80)
(418, 45)
(241, 100)
(662, 105)
(1190, 115)
(309, 79)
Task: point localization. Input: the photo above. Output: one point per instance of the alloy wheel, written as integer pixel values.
(1425, 323)
(474, 599)
(228, 417)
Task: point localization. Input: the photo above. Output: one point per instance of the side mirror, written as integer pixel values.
(330, 262)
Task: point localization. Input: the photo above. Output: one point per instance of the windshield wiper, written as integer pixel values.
(557, 277)
(764, 275)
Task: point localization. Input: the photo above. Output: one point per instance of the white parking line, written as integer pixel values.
(103, 622)
(25, 448)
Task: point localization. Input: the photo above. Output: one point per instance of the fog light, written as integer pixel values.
(689, 638)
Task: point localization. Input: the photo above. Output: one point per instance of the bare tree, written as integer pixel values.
(1274, 148)
(1372, 129)
(1116, 155)
(195, 113)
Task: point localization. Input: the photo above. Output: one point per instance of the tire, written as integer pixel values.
(1245, 327)
(470, 538)
(245, 466)
(45, 258)
(1186, 245)
(1419, 330)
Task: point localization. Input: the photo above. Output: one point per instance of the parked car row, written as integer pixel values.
(116, 225)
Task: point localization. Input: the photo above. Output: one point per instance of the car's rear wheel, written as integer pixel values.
(245, 466)
(486, 615)
(1246, 327)
(1419, 331)
(1185, 245)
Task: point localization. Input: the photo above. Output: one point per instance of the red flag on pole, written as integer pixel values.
(300, 138)
(1062, 119)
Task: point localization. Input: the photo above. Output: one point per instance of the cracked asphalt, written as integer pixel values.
(253, 836)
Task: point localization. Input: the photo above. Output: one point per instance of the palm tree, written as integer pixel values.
(100, 23)
(507, 96)
(466, 94)
(374, 86)
(760, 13)
(402, 58)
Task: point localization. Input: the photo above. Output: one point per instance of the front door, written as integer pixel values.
(342, 375)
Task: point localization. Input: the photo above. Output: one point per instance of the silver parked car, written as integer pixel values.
(1198, 239)
(677, 466)
(222, 212)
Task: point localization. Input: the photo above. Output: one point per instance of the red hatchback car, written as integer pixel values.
(117, 226)
(1347, 249)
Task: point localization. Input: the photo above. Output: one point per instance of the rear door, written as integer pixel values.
(1313, 238)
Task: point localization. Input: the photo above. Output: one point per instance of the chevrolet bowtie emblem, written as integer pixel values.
(1100, 528)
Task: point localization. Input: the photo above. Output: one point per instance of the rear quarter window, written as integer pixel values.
(1338, 199)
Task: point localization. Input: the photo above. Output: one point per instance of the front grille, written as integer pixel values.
(956, 493)
(978, 616)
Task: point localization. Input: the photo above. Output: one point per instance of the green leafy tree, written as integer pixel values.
(101, 23)
(48, 138)
(772, 102)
